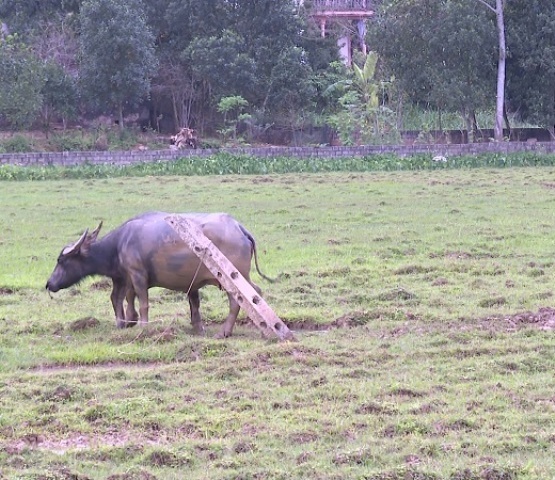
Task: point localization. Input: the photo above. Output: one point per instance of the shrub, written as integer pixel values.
(17, 143)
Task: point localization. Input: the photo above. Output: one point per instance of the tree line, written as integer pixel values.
(238, 67)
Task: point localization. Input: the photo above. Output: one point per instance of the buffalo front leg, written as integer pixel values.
(117, 296)
(194, 305)
(229, 323)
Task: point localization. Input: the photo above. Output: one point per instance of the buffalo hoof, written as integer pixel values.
(122, 323)
(199, 330)
(222, 334)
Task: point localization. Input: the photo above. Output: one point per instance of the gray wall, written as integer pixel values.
(131, 157)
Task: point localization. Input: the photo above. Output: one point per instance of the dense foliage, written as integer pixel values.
(178, 59)
(181, 58)
(117, 53)
(443, 55)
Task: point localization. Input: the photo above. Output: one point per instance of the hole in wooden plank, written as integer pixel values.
(239, 299)
(256, 300)
(234, 275)
(277, 326)
(263, 324)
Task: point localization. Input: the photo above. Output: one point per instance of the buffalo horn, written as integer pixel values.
(94, 233)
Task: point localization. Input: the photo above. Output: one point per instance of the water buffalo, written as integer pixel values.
(146, 252)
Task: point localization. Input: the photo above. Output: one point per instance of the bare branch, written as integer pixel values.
(483, 2)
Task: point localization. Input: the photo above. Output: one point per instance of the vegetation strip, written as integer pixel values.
(227, 164)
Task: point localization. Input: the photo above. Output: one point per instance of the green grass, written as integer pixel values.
(428, 373)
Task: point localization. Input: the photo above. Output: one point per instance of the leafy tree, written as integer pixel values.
(258, 49)
(60, 97)
(235, 106)
(292, 90)
(441, 52)
(531, 63)
(117, 53)
(22, 79)
(29, 16)
(223, 61)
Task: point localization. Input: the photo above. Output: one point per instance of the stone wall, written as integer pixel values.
(133, 157)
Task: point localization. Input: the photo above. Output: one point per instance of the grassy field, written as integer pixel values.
(421, 302)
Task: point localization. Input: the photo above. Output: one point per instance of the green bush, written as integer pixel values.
(66, 142)
(17, 143)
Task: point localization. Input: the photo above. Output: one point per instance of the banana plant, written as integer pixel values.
(360, 116)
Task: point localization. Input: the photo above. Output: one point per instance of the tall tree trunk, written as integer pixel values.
(500, 99)
(120, 108)
(499, 109)
(175, 113)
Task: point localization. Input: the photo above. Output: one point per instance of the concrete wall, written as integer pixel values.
(133, 157)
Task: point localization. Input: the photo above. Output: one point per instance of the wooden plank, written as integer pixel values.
(230, 278)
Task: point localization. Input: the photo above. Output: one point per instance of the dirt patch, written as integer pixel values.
(96, 367)
(305, 325)
(396, 294)
(453, 255)
(544, 319)
(492, 302)
(353, 319)
(371, 408)
(160, 334)
(102, 285)
(163, 458)
(85, 323)
(304, 437)
(80, 441)
(412, 270)
(406, 392)
(265, 179)
(133, 475)
(7, 291)
(151, 333)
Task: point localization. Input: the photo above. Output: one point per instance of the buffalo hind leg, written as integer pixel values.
(140, 287)
(131, 315)
(258, 290)
(194, 305)
(234, 308)
(227, 328)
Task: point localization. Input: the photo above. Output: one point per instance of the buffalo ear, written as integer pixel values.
(74, 248)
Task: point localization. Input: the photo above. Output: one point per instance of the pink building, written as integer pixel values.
(350, 16)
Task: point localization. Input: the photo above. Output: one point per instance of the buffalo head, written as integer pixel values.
(73, 262)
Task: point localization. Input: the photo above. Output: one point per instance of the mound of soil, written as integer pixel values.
(544, 319)
(84, 324)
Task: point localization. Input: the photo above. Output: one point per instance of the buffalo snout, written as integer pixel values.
(50, 287)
